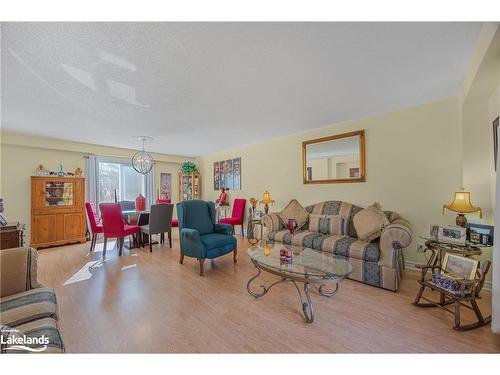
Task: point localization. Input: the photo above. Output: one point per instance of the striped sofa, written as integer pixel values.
(375, 263)
(28, 310)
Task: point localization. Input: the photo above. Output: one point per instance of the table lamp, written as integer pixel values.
(266, 201)
(462, 204)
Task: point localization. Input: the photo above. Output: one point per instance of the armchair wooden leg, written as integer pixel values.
(235, 252)
(181, 259)
(242, 231)
(170, 238)
(150, 244)
(202, 271)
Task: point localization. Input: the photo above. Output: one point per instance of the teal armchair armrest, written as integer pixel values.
(223, 229)
(191, 243)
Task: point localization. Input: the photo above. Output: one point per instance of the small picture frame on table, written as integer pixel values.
(3, 222)
(480, 234)
(452, 234)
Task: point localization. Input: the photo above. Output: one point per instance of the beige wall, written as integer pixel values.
(412, 166)
(20, 155)
(494, 111)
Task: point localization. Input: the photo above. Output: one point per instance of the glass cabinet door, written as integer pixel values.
(186, 187)
(59, 193)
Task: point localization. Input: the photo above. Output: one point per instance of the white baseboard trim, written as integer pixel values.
(411, 266)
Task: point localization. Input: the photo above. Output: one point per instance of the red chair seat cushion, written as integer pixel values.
(231, 220)
(131, 229)
(175, 223)
(98, 229)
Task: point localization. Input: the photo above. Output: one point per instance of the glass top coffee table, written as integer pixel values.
(307, 266)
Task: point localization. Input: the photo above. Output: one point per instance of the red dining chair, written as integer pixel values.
(114, 225)
(175, 222)
(237, 215)
(164, 200)
(94, 224)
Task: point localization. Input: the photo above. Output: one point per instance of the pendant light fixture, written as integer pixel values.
(142, 161)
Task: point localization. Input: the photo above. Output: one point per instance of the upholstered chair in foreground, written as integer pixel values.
(26, 307)
(200, 236)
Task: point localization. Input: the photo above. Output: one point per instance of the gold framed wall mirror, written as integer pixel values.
(335, 159)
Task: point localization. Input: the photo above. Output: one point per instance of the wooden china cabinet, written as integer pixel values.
(189, 186)
(57, 210)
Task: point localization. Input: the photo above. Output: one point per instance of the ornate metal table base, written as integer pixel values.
(307, 307)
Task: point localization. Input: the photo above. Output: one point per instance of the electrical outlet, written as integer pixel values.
(420, 248)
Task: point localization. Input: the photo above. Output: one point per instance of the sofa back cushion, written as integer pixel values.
(344, 209)
(326, 224)
(370, 222)
(294, 210)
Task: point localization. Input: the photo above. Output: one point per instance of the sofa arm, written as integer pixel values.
(18, 270)
(190, 234)
(223, 229)
(191, 244)
(395, 236)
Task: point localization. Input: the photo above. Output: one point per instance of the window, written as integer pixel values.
(119, 175)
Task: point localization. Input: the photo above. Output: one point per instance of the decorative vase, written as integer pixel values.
(140, 203)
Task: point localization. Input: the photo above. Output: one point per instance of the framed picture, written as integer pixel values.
(475, 238)
(237, 174)
(227, 174)
(165, 186)
(434, 232)
(495, 141)
(3, 222)
(452, 234)
(483, 234)
(457, 267)
(216, 176)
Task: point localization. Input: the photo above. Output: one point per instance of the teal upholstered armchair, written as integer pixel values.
(200, 236)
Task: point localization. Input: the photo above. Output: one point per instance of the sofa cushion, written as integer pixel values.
(370, 222)
(300, 238)
(46, 327)
(27, 306)
(215, 240)
(344, 209)
(340, 245)
(294, 210)
(326, 224)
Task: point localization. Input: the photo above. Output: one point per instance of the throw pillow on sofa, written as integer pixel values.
(294, 210)
(370, 222)
(326, 224)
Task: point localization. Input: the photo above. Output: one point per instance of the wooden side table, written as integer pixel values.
(251, 231)
(11, 235)
(439, 249)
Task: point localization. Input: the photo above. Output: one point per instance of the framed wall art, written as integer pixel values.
(165, 186)
(227, 174)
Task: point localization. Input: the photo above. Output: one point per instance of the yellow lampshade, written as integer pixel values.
(266, 198)
(462, 204)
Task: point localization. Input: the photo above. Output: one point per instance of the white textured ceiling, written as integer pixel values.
(202, 87)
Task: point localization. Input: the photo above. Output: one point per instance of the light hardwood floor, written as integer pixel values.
(143, 302)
